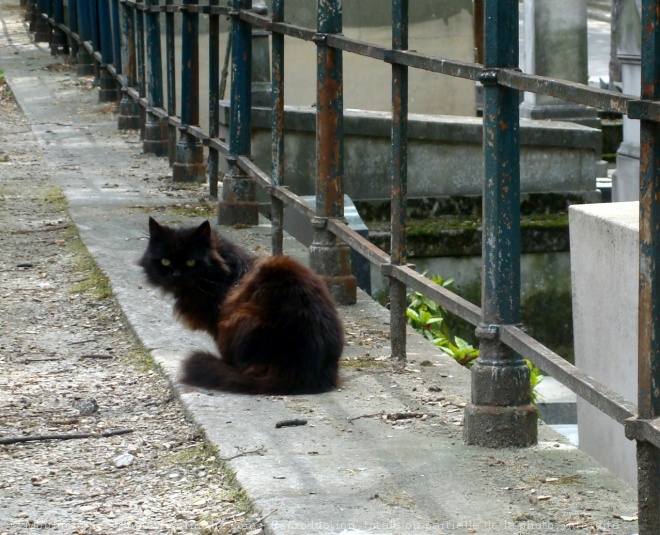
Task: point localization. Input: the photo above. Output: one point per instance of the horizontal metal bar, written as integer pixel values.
(358, 243)
(571, 91)
(356, 47)
(448, 299)
(644, 430)
(595, 393)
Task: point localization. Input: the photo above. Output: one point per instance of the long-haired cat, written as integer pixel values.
(272, 319)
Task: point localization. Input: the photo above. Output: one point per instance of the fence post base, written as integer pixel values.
(42, 30)
(155, 136)
(108, 87)
(237, 206)
(500, 415)
(332, 260)
(85, 66)
(189, 163)
(129, 115)
(500, 427)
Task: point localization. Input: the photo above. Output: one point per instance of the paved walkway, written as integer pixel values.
(350, 469)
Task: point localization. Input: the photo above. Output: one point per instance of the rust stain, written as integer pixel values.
(503, 125)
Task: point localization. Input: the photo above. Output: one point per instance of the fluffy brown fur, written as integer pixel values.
(272, 319)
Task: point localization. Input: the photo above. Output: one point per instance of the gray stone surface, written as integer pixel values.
(349, 470)
(444, 158)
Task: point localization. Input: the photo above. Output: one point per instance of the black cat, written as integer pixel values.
(272, 319)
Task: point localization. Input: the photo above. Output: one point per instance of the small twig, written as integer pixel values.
(96, 357)
(381, 413)
(76, 342)
(98, 498)
(405, 415)
(259, 451)
(65, 436)
(290, 423)
(44, 359)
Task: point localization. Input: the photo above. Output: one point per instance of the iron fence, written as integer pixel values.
(121, 40)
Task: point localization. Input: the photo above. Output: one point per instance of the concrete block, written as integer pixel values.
(604, 269)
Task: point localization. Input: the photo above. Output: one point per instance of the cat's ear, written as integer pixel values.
(204, 231)
(155, 228)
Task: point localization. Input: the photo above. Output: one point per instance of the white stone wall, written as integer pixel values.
(604, 271)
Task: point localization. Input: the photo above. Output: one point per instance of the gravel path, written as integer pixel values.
(70, 366)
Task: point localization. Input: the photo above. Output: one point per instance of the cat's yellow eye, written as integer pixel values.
(190, 263)
(165, 261)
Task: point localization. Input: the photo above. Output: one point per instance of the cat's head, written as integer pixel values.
(180, 259)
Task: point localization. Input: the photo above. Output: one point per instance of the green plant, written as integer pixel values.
(429, 318)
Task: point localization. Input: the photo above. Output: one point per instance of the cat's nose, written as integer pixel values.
(176, 274)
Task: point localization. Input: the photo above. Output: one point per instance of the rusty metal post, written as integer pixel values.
(399, 172)
(500, 413)
(155, 128)
(189, 163)
(170, 62)
(238, 205)
(277, 128)
(328, 256)
(107, 82)
(648, 457)
(129, 117)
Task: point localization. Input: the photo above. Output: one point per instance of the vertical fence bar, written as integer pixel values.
(170, 61)
(73, 26)
(500, 413)
(129, 118)
(189, 163)
(58, 42)
(42, 29)
(277, 128)
(328, 256)
(115, 8)
(107, 83)
(94, 38)
(155, 128)
(648, 457)
(214, 99)
(238, 203)
(140, 64)
(85, 65)
(399, 172)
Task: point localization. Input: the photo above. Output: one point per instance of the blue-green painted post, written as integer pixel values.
(58, 41)
(115, 10)
(500, 413)
(42, 29)
(129, 115)
(213, 164)
(140, 64)
(648, 370)
(107, 83)
(238, 203)
(277, 128)
(189, 163)
(155, 129)
(73, 26)
(170, 62)
(328, 256)
(399, 176)
(85, 65)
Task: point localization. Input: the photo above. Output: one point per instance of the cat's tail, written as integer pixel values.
(206, 370)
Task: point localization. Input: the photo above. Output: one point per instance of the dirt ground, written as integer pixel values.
(69, 366)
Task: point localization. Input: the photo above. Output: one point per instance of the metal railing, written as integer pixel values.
(112, 33)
